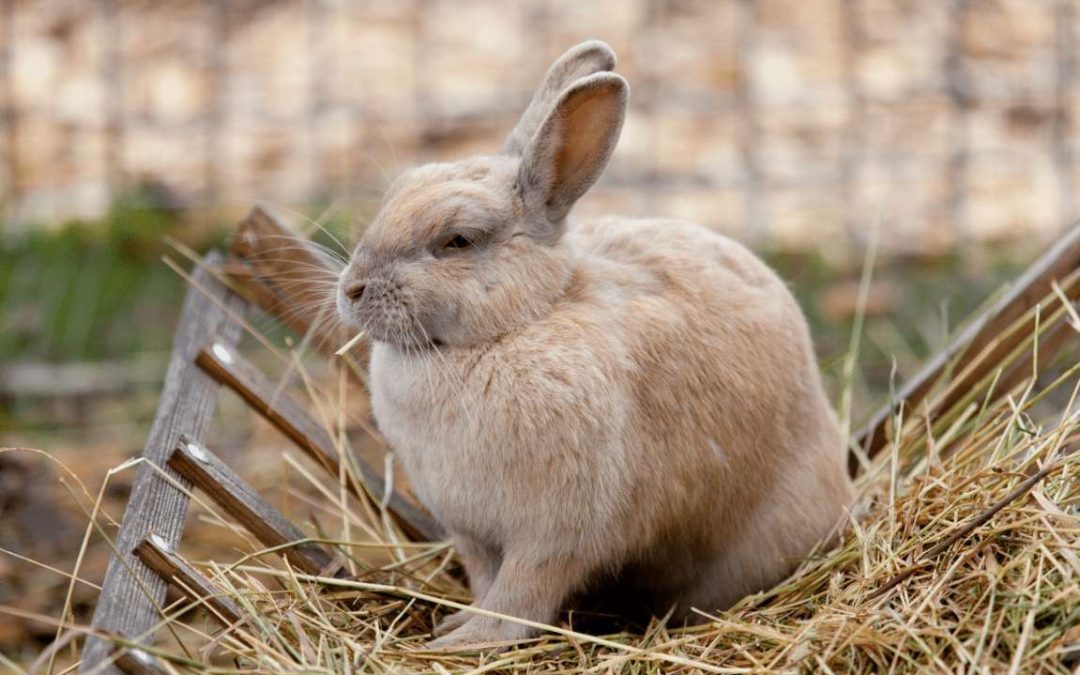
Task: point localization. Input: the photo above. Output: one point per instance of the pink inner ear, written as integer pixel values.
(586, 133)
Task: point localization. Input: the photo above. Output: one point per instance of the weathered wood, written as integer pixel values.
(284, 412)
(967, 352)
(128, 605)
(285, 275)
(1052, 338)
(156, 554)
(1054, 335)
(202, 468)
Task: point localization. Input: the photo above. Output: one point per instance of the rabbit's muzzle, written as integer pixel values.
(382, 308)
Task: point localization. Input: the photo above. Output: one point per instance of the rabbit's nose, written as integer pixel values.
(355, 291)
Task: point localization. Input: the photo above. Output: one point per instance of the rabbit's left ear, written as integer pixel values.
(577, 63)
(572, 147)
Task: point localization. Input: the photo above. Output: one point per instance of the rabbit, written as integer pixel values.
(636, 401)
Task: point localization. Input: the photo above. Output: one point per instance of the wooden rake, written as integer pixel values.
(176, 459)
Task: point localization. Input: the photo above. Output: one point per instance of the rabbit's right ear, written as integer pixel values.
(571, 149)
(578, 62)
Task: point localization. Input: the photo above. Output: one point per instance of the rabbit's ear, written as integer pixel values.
(572, 147)
(577, 63)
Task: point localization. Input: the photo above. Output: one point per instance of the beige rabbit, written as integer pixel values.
(635, 401)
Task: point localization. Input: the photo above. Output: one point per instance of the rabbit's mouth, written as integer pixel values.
(384, 312)
(404, 333)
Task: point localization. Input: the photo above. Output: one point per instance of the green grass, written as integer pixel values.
(89, 290)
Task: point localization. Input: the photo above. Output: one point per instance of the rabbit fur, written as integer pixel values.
(635, 401)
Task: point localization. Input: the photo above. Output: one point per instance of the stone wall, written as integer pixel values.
(799, 123)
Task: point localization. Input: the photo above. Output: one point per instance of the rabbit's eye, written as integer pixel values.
(456, 242)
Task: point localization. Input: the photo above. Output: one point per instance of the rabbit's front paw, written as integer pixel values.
(480, 632)
(451, 622)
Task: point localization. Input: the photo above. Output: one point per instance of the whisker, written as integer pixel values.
(305, 245)
(315, 223)
(331, 259)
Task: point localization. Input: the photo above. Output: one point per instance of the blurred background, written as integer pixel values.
(948, 127)
(790, 124)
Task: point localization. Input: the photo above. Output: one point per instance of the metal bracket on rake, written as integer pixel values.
(138, 662)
